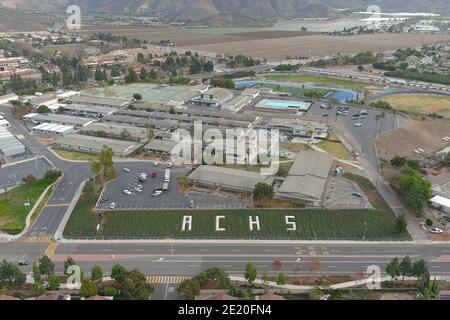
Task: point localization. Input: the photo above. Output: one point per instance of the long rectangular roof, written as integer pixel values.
(308, 176)
(227, 178)
(84, 99)
(51, 118)
(96, 143)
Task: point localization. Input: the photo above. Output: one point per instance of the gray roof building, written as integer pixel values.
(115, 131)
(225, 178)
(82, 109)
(10, 146)
(159, 146)
(140, 122)
(307, 177)
(66, 120)
(98, 101)
(90, 144)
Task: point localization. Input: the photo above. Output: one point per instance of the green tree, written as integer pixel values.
(38, 288)
(53, 282)
(67, 263)
(281, 280)
(88, 289)
(137, 96)
(46, 266)
(414, 189)
(399, 161)
(43, 109)
(189, 289)
(135, 286)
(131, 76)
(263, 191)
(406, 267)
(420, 269)
(96, 273)
(36, 273)
(393, 268)
(250, 272)
(118, 273)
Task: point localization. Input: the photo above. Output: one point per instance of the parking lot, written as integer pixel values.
(365, 133)
(340, 195)
(171, 199)
(12, 174)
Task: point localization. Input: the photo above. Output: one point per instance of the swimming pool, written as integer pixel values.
(283, 105)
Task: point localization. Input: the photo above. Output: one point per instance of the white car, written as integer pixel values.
(126, 170)
(138, 190)
(156, 163)
(157, 193)
(127, 192)
(436, 231)
(169, 165)
(358, 125)
(112, 206)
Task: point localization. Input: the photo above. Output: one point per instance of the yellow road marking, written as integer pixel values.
(50, 251)
(38, 239)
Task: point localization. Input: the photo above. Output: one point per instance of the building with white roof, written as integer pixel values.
(51, 129)
(10, 146)
(440, 203)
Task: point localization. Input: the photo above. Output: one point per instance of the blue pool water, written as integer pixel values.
(246, 84)
(285, 104)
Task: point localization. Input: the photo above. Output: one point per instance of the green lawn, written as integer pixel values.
(12, 210)
(75, 155)
(311, 224)
(335, 148)
(296, 91)
(302, 78)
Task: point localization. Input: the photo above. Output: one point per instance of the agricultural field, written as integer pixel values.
(310, 45)
(12, 210)
(420, 103)
(311, 224)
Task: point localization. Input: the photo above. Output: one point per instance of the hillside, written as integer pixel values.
(196, 10)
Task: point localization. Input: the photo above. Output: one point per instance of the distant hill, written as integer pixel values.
(18, 20)
(229, 10)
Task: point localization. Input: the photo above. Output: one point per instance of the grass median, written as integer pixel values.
(13, 212)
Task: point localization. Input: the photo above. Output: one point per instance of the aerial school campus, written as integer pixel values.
(203, 168)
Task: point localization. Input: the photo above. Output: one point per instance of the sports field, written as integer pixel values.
(418, 103)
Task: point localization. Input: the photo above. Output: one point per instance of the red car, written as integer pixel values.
(154, 174)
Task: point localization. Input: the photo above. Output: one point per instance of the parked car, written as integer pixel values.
(156, 163)
(138, 190)
(358, 125)
(157, 193)
(357, 194)
(154, 173)
(127, 192)
(436, 231)
(191, 204)
(112, 206)
(169, 165)
(126, 170)
(103, 200)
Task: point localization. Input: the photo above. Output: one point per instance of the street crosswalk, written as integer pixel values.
(50, 251)
(37, 239)
(166, 279)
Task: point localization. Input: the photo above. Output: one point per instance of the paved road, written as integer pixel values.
(74, 174)
(188, 259)
(11, 175)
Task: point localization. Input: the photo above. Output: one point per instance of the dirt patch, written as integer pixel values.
(275, 34)
(426, 135)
